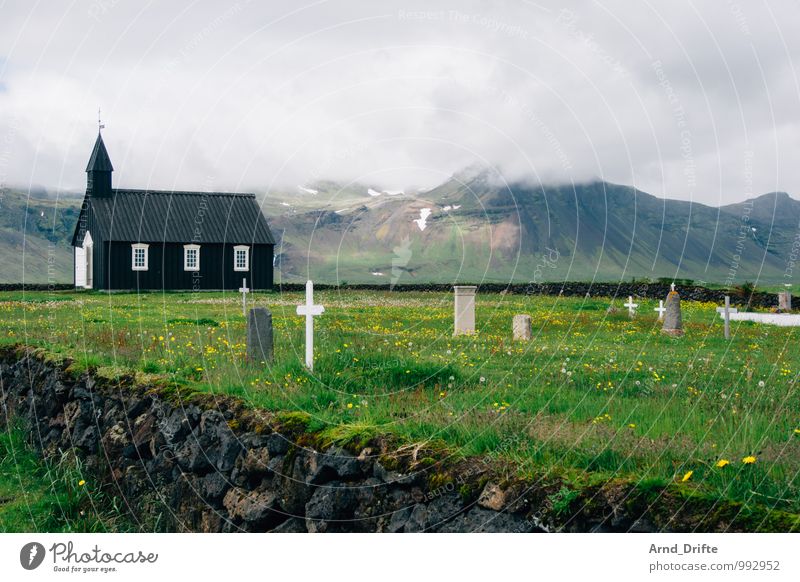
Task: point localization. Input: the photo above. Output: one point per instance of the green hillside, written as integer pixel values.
(481, 229)
(35, 232)
(474, 227)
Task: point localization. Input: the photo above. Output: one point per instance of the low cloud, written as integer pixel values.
(676, 99)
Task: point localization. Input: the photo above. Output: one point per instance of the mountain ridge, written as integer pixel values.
(473, 226)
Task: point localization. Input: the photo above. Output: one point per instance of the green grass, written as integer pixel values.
(54, 497)
(594, 396)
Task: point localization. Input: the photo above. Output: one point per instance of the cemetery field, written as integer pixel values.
(594, 396)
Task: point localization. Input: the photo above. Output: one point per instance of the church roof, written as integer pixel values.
(99, 160)
(150, 216)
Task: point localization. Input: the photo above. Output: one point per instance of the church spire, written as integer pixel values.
(98, 171)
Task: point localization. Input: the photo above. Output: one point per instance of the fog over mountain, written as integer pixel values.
(476, 226)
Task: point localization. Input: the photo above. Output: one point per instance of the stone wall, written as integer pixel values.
(36, 287)
(572, 289)
(200, 462)
(209, 464)
(567, 289)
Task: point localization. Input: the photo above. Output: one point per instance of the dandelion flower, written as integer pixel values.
(81, 483)
(687, 476)
(632, 425)
(349, 405)
(723, 463)
(761, 383)
(749, 460)
(797, 431)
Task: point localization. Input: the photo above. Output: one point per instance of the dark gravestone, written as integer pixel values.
(259, 335)
(673, 324)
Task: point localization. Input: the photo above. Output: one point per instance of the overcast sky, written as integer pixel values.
(690, 100)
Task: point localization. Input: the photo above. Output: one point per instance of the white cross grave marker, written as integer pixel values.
(726, 315)
(631, 306)
(310, 310)
(244, 291)
(661, 309)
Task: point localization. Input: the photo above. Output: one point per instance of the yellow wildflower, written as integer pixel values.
(687, 476)
(722, 463)
(749, 460)
(81, 483)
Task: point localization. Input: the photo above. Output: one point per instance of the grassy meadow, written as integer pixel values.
(54, 496)
(595, 396)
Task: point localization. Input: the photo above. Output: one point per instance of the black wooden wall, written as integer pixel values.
(165, 268)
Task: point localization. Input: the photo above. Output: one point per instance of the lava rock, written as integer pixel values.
(257, 509)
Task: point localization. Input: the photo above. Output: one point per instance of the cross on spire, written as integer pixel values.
(100, 124)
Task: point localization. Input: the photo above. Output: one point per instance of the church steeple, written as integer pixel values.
(98, 171)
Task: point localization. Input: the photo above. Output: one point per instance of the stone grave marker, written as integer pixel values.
(673, 322)
(522, 327)
(260, 345)
(464, 309)
(785, 301)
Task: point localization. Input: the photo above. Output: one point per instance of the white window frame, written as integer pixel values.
(186, 252)
(236, 250)
(140, 246)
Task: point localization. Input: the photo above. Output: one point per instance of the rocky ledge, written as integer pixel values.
(200, 462)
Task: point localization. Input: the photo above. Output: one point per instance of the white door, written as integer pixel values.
(84, 263)
(89, 267)
(80, 267)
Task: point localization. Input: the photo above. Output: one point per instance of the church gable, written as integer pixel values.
(185, 240)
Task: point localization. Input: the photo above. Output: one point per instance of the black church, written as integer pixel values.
(167, 240)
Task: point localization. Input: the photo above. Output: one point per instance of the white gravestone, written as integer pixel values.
(521, 325)
(781, 319)
(310, 311)
(464, 309)
(631, 306)
(661, 309)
